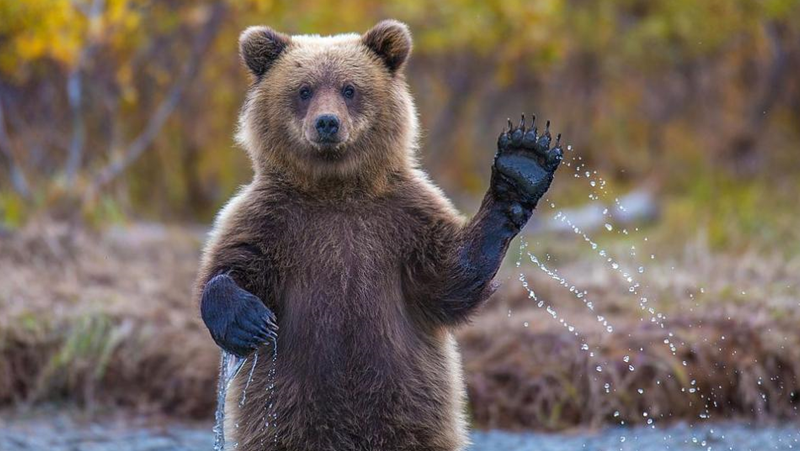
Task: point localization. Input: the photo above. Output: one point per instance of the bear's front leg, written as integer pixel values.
(523, 169)
(237, 319)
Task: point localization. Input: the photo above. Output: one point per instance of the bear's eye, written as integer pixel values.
(349, 91)
(305, 93)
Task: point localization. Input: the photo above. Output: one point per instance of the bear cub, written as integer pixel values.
(343, 248)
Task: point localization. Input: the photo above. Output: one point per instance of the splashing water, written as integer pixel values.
(228, 369)
(270, 416)
(230, 366)
(249, 378)
(523, 245)
(634, 288)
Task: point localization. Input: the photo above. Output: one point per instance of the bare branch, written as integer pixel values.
(75, 97)
(776, 71)
(18, 179)
(167, 106)
(743, 145)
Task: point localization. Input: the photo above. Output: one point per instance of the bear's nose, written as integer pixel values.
(327, 126)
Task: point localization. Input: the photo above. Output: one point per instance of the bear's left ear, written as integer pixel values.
(391, 41)
(260, 47)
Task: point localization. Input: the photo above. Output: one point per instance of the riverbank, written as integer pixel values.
(104, 319)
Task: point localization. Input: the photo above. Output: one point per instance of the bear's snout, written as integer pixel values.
(327, 126)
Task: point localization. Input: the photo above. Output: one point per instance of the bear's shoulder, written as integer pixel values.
(419, 196)
(252, 208)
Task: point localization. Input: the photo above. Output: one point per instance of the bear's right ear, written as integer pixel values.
(391, 41)
(260, 46)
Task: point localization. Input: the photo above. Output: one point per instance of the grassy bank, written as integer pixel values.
(105, 318)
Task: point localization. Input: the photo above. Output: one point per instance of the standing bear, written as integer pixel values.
(343, 247)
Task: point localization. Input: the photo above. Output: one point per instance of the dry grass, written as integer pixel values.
(536, 377)
(106, 319)
(103, 318)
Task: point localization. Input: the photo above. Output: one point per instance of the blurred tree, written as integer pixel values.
(116, 99)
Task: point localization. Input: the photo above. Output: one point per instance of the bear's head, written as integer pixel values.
(328, 107)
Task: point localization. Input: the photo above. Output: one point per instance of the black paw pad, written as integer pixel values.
(525, 139)
(524, 164)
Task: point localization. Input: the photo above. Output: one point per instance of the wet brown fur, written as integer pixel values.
(353, 249)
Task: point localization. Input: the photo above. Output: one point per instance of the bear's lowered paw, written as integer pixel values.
(238, 321)
(524, 165)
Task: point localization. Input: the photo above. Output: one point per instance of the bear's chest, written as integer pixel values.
(339, 289)
(340, 266)
(351, 242)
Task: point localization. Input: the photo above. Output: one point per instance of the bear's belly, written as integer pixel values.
(354, 372)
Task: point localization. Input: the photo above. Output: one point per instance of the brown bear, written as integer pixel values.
(343, 247)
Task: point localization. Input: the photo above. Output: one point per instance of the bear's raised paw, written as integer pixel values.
(525, 163)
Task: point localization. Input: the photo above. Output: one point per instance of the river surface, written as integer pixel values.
(63, 433)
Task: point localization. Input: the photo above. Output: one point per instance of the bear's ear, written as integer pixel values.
(391, 41)
(259, 47)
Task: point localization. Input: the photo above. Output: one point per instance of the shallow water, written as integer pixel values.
(711, 437)
(61, 433)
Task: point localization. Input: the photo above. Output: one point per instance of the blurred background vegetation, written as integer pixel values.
(121, 113)
(127, 108)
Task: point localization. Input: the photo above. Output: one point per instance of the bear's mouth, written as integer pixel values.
(328, 149)
(327, 141)
(326, 144)
(330, 152)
